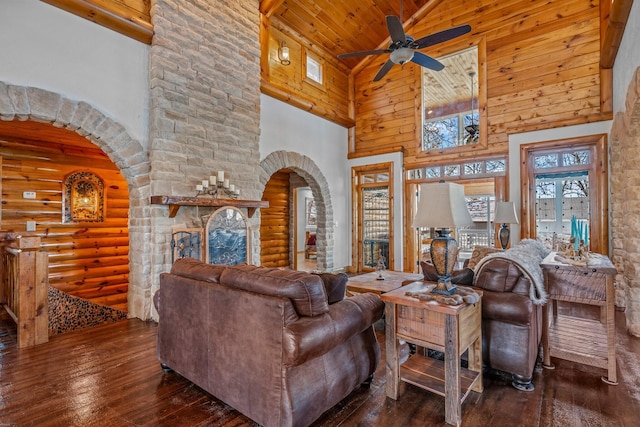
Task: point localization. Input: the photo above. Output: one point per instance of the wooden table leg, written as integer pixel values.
(546, 363)
(391, 343)
(612, 376)
(452, 388)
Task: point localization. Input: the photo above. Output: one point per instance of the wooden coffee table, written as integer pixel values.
(369, 282)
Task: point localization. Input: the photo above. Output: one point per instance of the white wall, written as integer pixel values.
(45, 47)
(287, 128)
(627, 60)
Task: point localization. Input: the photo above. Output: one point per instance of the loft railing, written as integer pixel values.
(24, 290)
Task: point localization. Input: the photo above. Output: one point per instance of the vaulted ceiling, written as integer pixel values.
(347, 25)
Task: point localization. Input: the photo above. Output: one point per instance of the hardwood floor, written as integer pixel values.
(110, 376)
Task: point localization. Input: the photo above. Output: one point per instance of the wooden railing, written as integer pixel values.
(24, 290)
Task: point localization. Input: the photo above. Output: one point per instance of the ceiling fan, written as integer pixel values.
(403, 47)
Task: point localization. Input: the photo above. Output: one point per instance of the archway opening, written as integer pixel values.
(88, 256)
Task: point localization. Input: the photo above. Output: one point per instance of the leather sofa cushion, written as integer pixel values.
(335, 284)
(196, 269)
(306, 291)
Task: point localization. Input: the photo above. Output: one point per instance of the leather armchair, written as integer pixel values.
(511, 322)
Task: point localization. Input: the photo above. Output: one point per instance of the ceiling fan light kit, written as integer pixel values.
(403, 48)
(402, 55)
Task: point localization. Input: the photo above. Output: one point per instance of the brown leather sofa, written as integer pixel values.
(280, 346)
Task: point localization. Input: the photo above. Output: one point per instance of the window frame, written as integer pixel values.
(440, 51)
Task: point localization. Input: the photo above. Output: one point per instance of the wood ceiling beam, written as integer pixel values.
(268, 7)
(614, 30)
(109, 14)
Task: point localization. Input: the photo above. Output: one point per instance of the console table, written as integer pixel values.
(587, 341)
(451, 329)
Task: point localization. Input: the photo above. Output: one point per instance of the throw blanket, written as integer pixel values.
(526, 255)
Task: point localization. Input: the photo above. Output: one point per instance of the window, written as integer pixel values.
(477, 169)
(313, 69)
(450, 102)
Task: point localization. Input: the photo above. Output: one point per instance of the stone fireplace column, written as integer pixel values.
(205, 109)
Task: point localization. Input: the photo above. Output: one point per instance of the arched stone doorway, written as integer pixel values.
(29, 103)
(307, 169)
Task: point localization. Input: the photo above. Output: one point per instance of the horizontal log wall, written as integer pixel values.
(86, 259)
(274, 222)
(541, 72)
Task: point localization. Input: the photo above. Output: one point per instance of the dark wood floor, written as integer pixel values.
(109, 376)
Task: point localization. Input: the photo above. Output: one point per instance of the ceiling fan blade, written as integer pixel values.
(396, 32)
(427, 61)
(441, 36)
(383, 70)
(363, 53)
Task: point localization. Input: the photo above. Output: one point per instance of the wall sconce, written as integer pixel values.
(283, 54)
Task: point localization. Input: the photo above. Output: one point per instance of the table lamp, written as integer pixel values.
(505, 214)
(442, 205)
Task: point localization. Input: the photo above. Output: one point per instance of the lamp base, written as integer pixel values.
(504, 235)
(444, 253)
(444, 286)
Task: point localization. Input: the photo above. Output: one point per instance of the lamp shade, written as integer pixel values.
(505, 213)
(442, 204)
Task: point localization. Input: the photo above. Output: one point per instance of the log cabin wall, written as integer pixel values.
(288, 83)
(539, 67)
(86, 259)
(274, 226)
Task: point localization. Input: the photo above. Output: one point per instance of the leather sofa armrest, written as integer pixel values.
(310, 337)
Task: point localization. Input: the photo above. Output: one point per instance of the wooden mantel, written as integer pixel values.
(175, 202)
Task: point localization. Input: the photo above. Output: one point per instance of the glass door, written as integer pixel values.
(373, 214)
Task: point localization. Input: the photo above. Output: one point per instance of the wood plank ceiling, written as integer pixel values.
(344, 26)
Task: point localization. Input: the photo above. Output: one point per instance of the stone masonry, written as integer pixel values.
(625, 205)
(205, 109)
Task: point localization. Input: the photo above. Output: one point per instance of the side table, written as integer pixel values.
(586, 341)
(445, 328)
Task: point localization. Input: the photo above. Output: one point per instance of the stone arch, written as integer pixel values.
(307, 169)
(127, 153)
